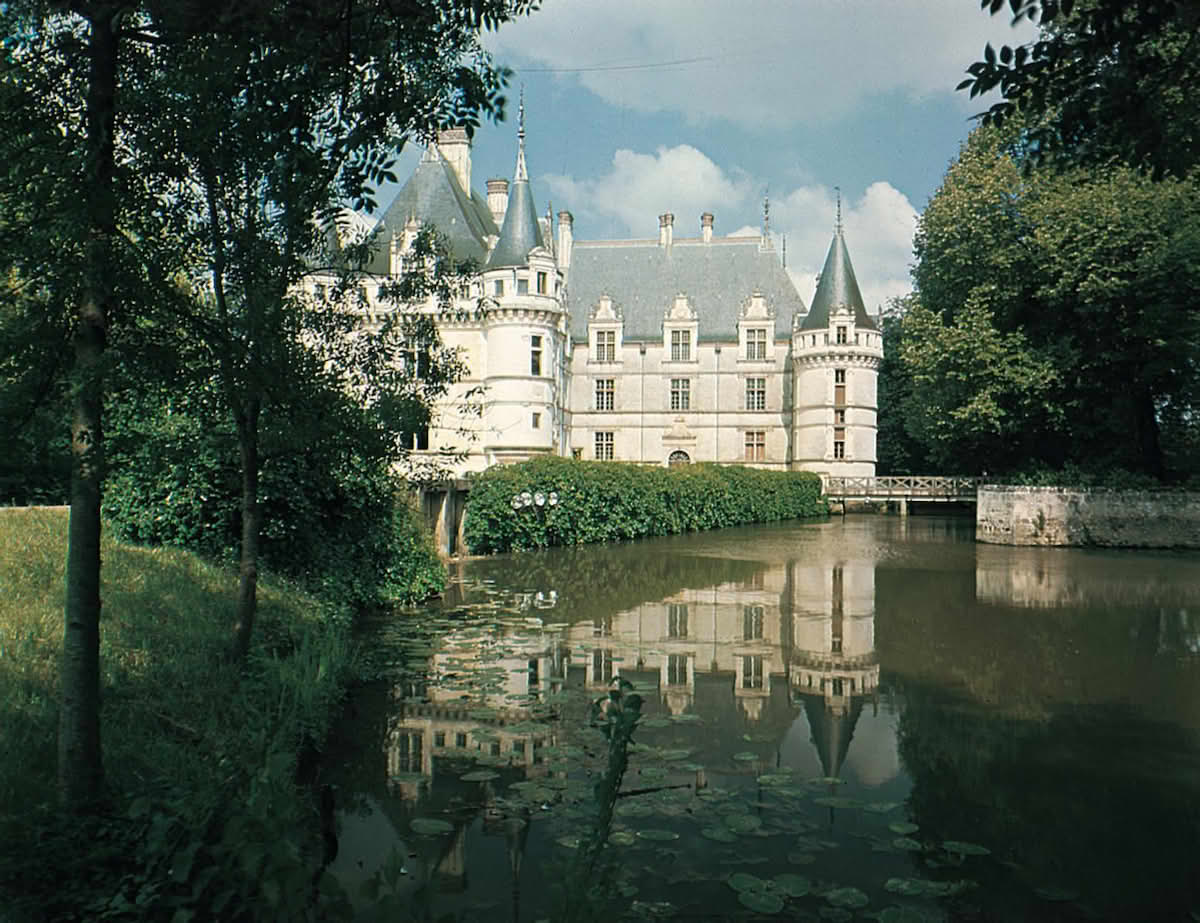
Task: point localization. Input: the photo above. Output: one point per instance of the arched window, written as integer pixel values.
(678, 458)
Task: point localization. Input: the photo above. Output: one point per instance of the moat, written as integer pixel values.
(865, 718)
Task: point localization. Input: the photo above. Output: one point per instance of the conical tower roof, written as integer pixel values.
(837, 287)
(521, 231)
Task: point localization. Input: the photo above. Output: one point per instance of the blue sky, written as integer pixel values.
(637, 107)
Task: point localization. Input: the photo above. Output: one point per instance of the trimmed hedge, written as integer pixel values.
(611, 501)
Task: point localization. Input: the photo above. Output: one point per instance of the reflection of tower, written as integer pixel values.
(833, 662)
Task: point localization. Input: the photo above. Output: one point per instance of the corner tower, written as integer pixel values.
(525, 332)
(836, 352)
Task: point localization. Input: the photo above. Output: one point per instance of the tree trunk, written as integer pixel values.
(80, 769)
(247, 425)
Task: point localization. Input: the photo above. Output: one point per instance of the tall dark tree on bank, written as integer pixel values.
(97, 62)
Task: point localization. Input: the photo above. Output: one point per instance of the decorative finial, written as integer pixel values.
(767, 211)
(522, 174)
(837, 228)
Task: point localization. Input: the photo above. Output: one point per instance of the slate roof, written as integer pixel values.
(521, 231)
(434, 196)
(837, 287)
(643, 278)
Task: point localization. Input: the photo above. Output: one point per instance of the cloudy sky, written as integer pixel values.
(637, 107)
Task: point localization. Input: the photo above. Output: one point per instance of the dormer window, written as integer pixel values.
(542, 283)
(841, 336)
(498, 288)
(756, 343)
(606, 346)
(681, 345)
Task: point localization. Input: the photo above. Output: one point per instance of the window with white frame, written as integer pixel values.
(756, 394)
(498, 288)
(677, 620)
(681, 345)
(756, 343)
(542, 283)
(604, 446)
(604, 393)
(535, 355)
(752, 672)
(756, 445)
(606, 346)
(681, 394)
(752, 623)
(677, 669)
(522, 286)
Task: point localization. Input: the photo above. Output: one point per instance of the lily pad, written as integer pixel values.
(802, 858)
(673, 755)
(481, 775)
(661, 836)
(761, 901)
(965, 849)
(838, 801)
(742, 823)
(744, 881)
(571, 842)
(851, 898)
(745, 756)
(793, 885)
(430, 826)
(775, 778)
(881, 807)
(903, 828)
(621, 838)
(720, 834)
(655, 722)
(906, 844)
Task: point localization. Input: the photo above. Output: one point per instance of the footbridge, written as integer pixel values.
(903, 489)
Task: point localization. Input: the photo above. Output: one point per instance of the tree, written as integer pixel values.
(1104, 78)
(899, 452)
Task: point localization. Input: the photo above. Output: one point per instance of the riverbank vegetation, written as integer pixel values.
(201, 811)
(550, 501)
(1057, 268)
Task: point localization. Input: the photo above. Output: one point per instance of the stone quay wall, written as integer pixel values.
(1010, 515)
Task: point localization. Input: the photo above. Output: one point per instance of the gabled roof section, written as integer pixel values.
(522, 231)
(837, 288)
(643, 279)
(434, 197)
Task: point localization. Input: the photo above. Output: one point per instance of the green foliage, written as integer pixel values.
(898, 451)
(204, 817)
(611, 501)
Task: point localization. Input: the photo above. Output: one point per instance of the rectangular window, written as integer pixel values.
(604, 446)
(677, 620)
(756, 343)
(522, 286)
(841, 336)
(756, 445)
(518, 746)
(681, 345)
(460, 739)
(541, 283)
(535, 355)
(439, 738)
(752, 623)
(498, 288)
(319, 289)
(681, 394)
(602, 627)
(756, 394)
(602, 665)
(417, 441)
(408, 753)
(537, 421)
(752, 672)
(604, 393)
(606, 346)
(839, 416)
(677, 669)
(839, 387)
(839, 449)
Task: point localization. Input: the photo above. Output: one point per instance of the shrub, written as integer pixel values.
(611, 501)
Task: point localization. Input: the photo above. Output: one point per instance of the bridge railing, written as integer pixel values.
(902, 487)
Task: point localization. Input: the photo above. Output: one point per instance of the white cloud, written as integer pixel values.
(757, 62)
(637, 187)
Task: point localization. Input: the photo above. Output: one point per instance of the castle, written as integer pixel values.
(664, 351)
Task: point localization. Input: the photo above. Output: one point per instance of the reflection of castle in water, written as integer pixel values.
(744, 656)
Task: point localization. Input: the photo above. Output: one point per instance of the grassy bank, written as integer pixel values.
(205, 817)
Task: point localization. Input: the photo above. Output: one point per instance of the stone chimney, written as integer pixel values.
(666, 229)
(566, 236)
(706, 225)
(497, 191)
(456, 148)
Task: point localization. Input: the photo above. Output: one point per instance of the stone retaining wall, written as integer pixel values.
(1088, 516)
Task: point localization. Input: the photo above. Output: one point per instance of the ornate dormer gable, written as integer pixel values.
(681, 327)
(605, 328)
(756, 329)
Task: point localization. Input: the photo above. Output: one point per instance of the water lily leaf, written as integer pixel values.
(904, 828)
(801, 858)
(851, 898)
(826, 780)
(745, 756)
(1051, 893)
(570, 842)
(742, 823)
(907, 844)
(744, 881)
(775, 778)
(881, 807)
(482, 775)
(658, 835)
(761, 901)
(672, 755)
(793, 885)
(720, 834)
(622, 838)
(687, 718)
(965, 849)
(837, 801)
(656, 722)
(430, 826)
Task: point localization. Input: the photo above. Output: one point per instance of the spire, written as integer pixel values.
(522, 230)
(837, 227)
(767, 213)
(837, 287)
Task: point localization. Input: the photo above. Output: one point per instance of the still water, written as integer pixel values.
(865, 718)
